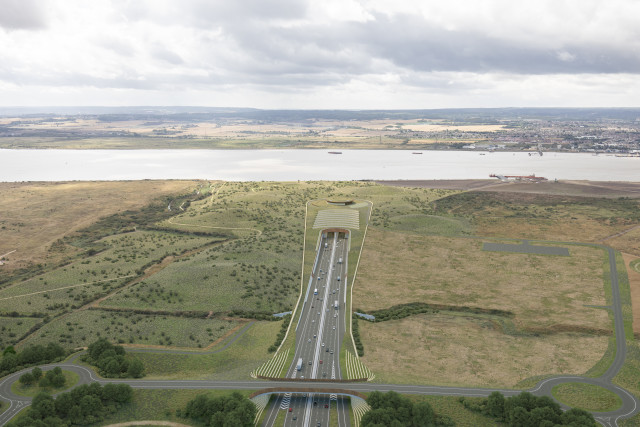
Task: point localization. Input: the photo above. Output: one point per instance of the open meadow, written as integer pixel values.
(35, 215)
(81, 328)
(540, 310)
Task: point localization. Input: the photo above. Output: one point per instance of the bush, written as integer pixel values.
(356, 336)
(526, 409)
(391, 409)
(283, 331)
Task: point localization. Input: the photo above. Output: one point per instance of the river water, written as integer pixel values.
(292, 165)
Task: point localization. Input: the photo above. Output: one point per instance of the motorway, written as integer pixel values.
(319, 333)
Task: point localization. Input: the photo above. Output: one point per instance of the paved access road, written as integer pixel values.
(319, 333)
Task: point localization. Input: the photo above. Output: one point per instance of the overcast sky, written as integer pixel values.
(355, 54)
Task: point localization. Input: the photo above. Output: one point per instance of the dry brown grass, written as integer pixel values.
(634, 284)
(463, 351)
(34, 215)
(627, 242)
(544, 292)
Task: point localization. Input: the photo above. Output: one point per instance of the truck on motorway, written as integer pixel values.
(315, 291)
(338, 278)
(335, 304)
(299, 365)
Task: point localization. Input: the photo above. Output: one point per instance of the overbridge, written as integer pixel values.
(307, 390)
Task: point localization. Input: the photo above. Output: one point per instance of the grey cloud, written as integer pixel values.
(21, 15)
(413, 44)
(167, 55)
(119, 46)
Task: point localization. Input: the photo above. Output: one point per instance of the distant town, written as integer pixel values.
(613, 131)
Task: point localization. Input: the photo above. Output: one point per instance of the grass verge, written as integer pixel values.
(586, 396)
(236, 362)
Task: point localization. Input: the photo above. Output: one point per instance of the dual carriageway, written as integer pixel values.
(319, 334)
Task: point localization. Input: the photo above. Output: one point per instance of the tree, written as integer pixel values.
(136, 369)
(9, 362)
(8, 350)
(43, 406)
(495, 405)
(44, 382)
(27, 379)
(519, 417)
(577, 418)
(423, 415)
(64, 403)
(37, 373)
(58, 380)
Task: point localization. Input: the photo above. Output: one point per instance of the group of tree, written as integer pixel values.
(53, 378)
(527, 410)
(31, 355)
(86, 404)
(229, 410)
(393, 410)
(355, 331)
(283, 331)
(112, 360)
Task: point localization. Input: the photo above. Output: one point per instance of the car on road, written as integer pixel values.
(309, 340)
(321, 362)
(309, 362)
(331, 352)
(290, 409)
(295, 418)
(323, 344)
(327, 350)
(334, 326)
(326, 405)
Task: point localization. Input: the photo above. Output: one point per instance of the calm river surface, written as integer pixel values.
(292, 165)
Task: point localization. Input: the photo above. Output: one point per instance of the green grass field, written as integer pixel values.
(75, 284)
(84, 327)
(13, 328)
(236, 362)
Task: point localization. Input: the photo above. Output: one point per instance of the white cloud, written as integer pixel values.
(303, 54)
